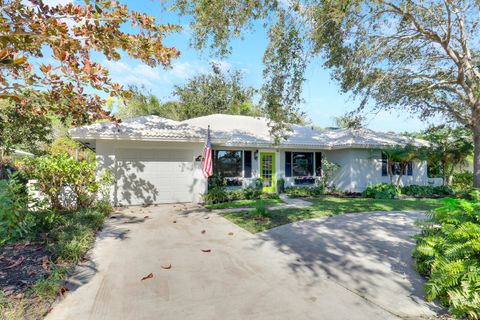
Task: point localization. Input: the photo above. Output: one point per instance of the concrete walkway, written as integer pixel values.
(338, 268)
(290, 203)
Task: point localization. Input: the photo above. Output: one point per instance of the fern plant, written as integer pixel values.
(448, 252)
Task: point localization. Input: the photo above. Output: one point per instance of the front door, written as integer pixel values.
(267, 171)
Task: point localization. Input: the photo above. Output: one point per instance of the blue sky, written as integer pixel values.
(323, 100)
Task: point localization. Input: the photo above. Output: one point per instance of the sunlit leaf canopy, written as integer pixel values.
(418, 55)
(51, 51)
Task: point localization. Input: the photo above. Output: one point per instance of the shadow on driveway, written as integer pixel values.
(367, 253)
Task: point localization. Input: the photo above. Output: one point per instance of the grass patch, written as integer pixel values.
(243, 204)
(68, 237)
(326, 206)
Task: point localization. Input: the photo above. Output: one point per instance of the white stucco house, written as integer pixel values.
(156, 160)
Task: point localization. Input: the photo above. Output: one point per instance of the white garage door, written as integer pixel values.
(146, 176)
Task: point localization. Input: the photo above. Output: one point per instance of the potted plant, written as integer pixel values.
(259, 184)
(281, 185)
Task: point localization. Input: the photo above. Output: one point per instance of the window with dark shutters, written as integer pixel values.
(288, 164)
(318, 164)
(384, 164)
(247, 165)
(410, 169)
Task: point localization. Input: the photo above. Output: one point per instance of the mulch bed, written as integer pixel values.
(21, 265)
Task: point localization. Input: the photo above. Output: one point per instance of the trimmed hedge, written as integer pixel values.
(382, 191)
(219, 194)
(416, 190)
(304, 192)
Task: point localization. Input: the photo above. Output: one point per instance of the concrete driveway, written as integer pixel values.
(355, 266)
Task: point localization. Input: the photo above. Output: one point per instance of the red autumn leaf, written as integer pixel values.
(62, 290)
(16, 263)
(148, 276)
(206, 250)
(167, 267)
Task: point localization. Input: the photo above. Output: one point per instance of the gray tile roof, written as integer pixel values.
(234, 130)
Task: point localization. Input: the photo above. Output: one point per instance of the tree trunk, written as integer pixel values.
(476, 156)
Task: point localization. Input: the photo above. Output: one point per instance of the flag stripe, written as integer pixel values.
(207, 166)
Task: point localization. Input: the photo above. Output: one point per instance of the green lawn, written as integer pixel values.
(243, 204)
(326, 206)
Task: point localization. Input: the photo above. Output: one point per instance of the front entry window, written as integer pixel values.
(302, 164)
(228, 163)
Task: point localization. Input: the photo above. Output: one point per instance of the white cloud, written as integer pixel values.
(54, 3)
(141, 74)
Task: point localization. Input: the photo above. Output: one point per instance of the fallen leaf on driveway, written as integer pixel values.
(174, 221)
(146, 217)
(149, 276)
(230, 233)
(203, 231)
(167, 267)
(62, 290)
(16, 263)
(206, 250)
(207, 217)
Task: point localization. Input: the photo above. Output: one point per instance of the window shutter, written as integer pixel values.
(288, 164)
(384, 165)
(247, 164)
(410, 169)
(318, 164)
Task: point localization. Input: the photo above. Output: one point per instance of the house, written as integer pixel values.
(157, 160)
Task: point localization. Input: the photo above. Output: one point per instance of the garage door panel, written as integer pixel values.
(154, 176)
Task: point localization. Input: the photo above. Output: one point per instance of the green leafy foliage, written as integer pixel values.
(215, 194)
(462, 181)
(451, 148)
(15, 221)
(329, 170)
(260, 208)
(218, 194)
(382, 191)
(417, 190)
(304, 192)
(67, 146)
(55, 172)
(448, 252)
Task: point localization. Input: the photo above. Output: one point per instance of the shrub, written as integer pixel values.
(382, 191)
(215, 195)
(274, 196)
(302, 192)
(462, 181)
(448, 252)
(416, 190)
(260, 208)
(234, 194)
(442, 191)
(56, 172)
(251, 193)
(15, 220)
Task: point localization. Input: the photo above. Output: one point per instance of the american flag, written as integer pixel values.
(207, 167)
